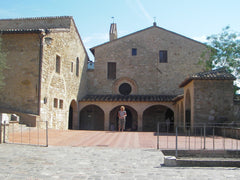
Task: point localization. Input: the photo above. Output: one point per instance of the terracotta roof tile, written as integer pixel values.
(138, 98)
(217, 74)
(33, 24)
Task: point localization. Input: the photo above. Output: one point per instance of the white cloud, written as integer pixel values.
(144, 11)
(96, 37)
(138, 8)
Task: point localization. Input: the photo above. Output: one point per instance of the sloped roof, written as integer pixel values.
(121, 98)
(146, 29)
(35, 24)
(217, 74)
(38, 25)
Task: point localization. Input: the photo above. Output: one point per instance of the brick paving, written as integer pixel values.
(98, 155)
(117, 139)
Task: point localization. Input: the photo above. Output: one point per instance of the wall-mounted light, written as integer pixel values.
(48, 40)
(45, 100)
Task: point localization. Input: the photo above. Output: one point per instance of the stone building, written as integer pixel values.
(47, 70)
(141, 71)
(153, 72)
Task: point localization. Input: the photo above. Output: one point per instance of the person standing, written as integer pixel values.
(122, 114)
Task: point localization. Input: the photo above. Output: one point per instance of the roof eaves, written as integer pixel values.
(22, 31)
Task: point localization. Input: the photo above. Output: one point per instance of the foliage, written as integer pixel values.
(225, 51)
(3, 64)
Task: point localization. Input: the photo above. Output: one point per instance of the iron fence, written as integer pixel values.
(199, 137)
(21, 134)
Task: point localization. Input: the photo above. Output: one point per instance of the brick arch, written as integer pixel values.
(122, 80)
(131, 120)
(91, 118)
(157, 113)
(73, 115)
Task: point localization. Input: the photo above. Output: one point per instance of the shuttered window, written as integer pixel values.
(111, 73)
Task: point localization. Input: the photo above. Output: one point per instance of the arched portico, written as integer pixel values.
(73, 115)
(91, 118)
(131, 119)
(155, 114)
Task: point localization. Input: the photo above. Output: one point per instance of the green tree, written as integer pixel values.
(3, 64)
(225, 52)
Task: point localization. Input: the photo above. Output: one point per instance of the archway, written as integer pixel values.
(131, 119)
(72, 116)
(188, 110)
(92, 118)
(161, 114)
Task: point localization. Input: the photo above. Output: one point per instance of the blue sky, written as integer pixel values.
(195, 19)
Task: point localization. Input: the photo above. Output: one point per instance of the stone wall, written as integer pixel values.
(66, 85)
(144, 69)
(21, 90)
(213, 101)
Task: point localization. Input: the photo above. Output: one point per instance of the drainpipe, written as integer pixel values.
(40, 35)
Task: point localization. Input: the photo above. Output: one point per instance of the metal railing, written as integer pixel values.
(200, 137)
(16, 133)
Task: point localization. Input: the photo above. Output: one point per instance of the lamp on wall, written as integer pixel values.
(48, 40)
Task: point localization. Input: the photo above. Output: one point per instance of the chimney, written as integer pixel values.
(113, 32)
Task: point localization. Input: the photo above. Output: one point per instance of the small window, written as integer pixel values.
(111, 74)
(71, 66)
(55, 102)
(134, 51)
(77, 67)
(163, 57)
(58, 64)
(61, 104)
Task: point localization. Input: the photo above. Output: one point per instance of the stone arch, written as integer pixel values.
(158, 113)
(73, 115)
(131, 119)
(91, 118)
(188, 109)
(126, 80)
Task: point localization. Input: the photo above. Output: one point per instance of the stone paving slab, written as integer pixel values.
(74, 163)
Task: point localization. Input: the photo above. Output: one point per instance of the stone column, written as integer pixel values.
(140, 121)
(106, 121)
(75, 118)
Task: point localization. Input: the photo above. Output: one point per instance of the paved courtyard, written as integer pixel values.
(97, 155)
(66, 162)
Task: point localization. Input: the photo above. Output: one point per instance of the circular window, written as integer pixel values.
(125, 89)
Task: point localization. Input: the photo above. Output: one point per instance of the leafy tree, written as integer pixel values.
(225, 52)
(3, 64)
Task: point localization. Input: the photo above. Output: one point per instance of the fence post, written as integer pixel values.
(224, 137)
(204, 133)
(46, 133)
(4, 132)
(0, 131)
(189, 138)
(213, 138)
(176, 154)
(158, 135)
